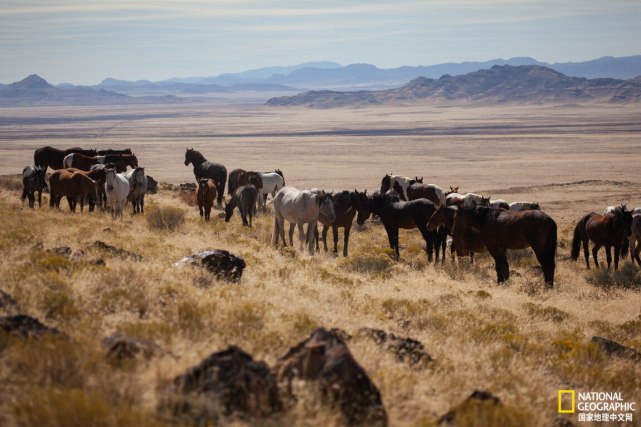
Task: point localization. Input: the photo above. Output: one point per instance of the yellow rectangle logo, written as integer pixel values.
(560, 399)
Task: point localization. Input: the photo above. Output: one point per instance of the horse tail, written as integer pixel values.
(625, 246)
(576, 240)
(221, 187)
(24, 193)
(276, 234)
(549, 254)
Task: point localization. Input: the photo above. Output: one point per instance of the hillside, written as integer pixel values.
(498, 85)
(34, 90)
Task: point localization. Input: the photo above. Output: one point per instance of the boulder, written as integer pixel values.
(227, 383)
(324, 360)
(407, 350)
(219, 262)
(24, 326)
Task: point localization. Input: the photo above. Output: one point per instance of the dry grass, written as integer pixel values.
(519, 341)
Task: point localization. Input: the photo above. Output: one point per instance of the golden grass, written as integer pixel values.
(519, 341)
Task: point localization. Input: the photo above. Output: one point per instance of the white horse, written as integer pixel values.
(524, 206)
(470, 200)
(300, 207)
(272, 182)
(137, 188)
(117, 189)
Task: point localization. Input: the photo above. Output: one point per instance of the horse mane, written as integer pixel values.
(196, 155)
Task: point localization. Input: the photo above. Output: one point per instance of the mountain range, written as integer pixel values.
(497, 85)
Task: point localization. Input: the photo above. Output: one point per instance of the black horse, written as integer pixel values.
(395, 214)
(52, 157)
(206, 169)
(110, 151)
(33, 179)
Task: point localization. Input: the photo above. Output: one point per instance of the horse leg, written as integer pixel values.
(311, 227)
(334, 235)
(617, 251)
(636, 252)
(429, 238)
(586, 253)
(500, 265)
(142, 205)
(292, 227)
(32, 198)
(595, 251)
(345, 238)
(301, 235)
(316, 238)
(608, 255)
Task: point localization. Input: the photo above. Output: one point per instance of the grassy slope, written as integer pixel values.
(518, 341)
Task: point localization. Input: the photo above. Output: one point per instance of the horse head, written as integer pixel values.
(188, 156)
(419, 180)
(327, 205)
(385, 183)
(535, 206)
(485, 202)
(229, 209)
(361, 202)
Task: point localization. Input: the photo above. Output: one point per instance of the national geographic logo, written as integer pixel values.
(596, 406)
(566, 401)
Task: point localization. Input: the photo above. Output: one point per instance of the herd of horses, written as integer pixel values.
(471, 222)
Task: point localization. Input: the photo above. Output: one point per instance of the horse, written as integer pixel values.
(431, 192)
(442, 221)
(245, 198)
(300, 207)
(121, 161)
(110, 151)
(232, 183)
(635, 237)
(97, 175)
(524, 206)
(73, 185)
(471, 200)
(137, 188)
(52, 157)
(609, 230)
(452, 198)
(117, 189)
(206, 194)
(396, 213)
(399, 184)
(250, 177)
(33, 179)
(347, 205)
(206, 169)
(500, 204)
(272, 182)
(501, 230)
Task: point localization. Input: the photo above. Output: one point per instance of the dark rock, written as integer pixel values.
(187, 186)
(64, 251)
(219, 262)
(226, 383)
(120, 347)
(24, 326)
(613, 348)
(8, 305)
(478, 404)
(122, 253)
(407, 350)
(152, 185)
(324, 359)
(97, 261)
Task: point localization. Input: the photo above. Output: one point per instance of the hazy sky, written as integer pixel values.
(85, 41)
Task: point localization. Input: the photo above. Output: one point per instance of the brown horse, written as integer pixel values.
(396, 214)
(250, 178)
(73, 185)
(244, 198)
(609, 230)
(52, 157)
(501, 230)
(233, 180)
(206, 194)
(100, 176)
(431, 192)
(443, 221)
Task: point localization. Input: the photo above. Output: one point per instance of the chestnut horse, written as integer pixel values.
(98, 175)
(431, 192)
(395, 214)
(501, 230)
(52, 157)
(610, 230)
(206, 194)
(73, 185)
(206, 169)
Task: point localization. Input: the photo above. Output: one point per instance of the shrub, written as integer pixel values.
(626, 277)
(189, 197)
(375, 261)
(165, 218)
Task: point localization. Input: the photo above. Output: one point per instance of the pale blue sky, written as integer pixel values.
(85, 41)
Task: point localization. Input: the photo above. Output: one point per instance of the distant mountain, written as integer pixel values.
(34, 90)
(157, 88)
(607, 66)
(499, 84)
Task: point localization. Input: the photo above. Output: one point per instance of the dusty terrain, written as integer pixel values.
(518, 341)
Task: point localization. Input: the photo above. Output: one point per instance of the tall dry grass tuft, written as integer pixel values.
(165, 218)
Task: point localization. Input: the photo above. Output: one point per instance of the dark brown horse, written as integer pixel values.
(73, 186)
(206, 169)
(347, 205)
(395, 214)
(244, 198)
(232, 181)
(431, 192)
(206, 194)
(250, 177)
(52, 157)
(110, 151)
(501, 230)
(82, 162)
(443, 222)
(609, 230)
